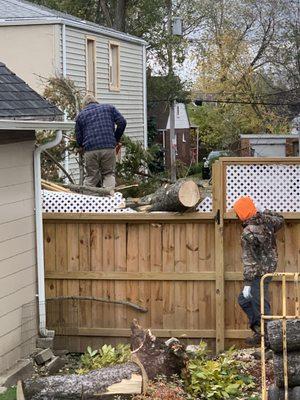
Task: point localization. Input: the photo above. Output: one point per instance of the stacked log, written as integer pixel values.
(275, 334)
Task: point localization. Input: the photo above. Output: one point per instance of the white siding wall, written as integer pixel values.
(17, 253)
(129, 100)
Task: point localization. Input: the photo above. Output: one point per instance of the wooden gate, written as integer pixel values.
(185, 269)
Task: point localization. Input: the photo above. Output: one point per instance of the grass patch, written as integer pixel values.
(10, 394)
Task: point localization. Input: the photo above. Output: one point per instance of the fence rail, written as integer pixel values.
(185, 269)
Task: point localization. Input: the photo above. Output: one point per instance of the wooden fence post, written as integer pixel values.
(218, 209)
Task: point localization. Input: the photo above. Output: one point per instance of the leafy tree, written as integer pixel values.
(66, 96)
(233, 56)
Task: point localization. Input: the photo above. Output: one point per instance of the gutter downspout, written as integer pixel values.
(145, 97)
(64, 73)
(39, 233)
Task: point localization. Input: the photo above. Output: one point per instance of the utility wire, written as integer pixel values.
(244, 102)
(258, 95)
(198, 102)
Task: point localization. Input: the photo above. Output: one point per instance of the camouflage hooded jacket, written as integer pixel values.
(259, 249)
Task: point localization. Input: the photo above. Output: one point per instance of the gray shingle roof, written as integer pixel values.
(19, 101)
(20, 10)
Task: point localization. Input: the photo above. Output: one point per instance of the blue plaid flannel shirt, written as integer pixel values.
(96, 127)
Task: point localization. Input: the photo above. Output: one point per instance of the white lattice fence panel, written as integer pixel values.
(61, 202)
(275, 187)
(205, 205)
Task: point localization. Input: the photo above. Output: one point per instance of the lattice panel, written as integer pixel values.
(205, 205)
(61, 202)
(273, 187)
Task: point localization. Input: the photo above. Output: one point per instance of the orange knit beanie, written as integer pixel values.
(245, 208)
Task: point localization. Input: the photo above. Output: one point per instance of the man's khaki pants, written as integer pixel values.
(100, 166)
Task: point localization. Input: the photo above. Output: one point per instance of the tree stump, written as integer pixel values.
(293, 369)
(292, 332)
(157, 357)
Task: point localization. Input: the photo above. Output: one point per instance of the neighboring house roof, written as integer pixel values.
(17, 12)
(160, 113)
(19, 101)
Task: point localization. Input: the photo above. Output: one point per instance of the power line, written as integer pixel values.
(198, 102)
(243, 93)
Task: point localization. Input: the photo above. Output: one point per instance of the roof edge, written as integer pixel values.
(84, 25)
(6, 124)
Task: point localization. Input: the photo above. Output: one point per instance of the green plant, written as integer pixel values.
(136, 167)
(10, 394)
(216, 378)
(104, 357)
(196, 169)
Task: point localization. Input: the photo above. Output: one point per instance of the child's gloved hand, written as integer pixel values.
(247, 292)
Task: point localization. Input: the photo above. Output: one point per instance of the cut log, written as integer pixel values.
(157, 357)
(275, 393)
(293, 369)
(292, 332)
(100, 384)
(179, 197)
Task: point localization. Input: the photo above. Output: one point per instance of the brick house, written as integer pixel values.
(185, 132)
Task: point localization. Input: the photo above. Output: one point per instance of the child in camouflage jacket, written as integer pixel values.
(259, 256)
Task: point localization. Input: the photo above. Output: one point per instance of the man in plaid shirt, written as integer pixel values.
(97, 136)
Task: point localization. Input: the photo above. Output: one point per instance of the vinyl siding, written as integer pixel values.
(129, 100)
(31, 52)
(18, 327)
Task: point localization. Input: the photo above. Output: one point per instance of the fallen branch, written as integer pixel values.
(103, 300)
(123, 187)
(54, 187)
(90, 190)
(102, 383)
(59, 165)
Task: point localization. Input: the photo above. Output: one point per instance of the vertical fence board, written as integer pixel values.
(97, 265)
(120, 265)
(168, 259)
(156, 300)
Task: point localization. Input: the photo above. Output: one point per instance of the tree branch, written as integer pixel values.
(59, 166)
(106, 13)
(100, 299)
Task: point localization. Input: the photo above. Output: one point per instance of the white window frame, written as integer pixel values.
(114, 87)
(87, 40)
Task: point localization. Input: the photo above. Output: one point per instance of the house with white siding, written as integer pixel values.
(22, 112)
(38, 42)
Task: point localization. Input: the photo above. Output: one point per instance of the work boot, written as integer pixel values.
(253, 341)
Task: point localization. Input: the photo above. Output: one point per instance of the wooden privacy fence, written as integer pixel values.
(185, 269)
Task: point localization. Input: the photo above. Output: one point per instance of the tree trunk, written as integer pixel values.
(292, 331)
(293, 369)
(179, 197)
(101, 384)
(106, 13)
(157, 357)
(120, 15)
